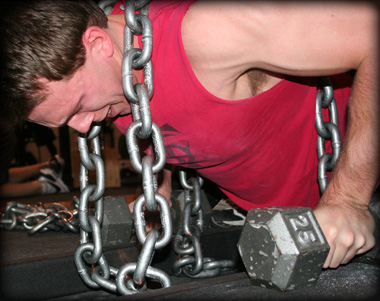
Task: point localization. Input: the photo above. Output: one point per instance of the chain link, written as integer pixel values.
(36, 218)
(90, 251)
(106, 6)
(143, 127)
(327, 130)
(89, 259)
(187, 240)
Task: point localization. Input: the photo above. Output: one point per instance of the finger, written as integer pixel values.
(368, 245)
(338, 256)
(349, 242)
(360, 245)
(329, 256)
(131, 205)
(330, 235)
(345, 246)
(349, 255)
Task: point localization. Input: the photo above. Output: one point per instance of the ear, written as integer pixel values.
(96, 39)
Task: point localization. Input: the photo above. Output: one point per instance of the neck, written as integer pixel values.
(116, 25)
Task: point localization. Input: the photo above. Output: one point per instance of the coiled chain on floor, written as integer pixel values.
(37, 218)
(131, 277)
(187, 240)
(327, 130)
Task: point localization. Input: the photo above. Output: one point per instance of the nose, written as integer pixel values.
(81, 122)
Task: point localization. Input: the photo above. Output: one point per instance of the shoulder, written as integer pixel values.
(280, 36)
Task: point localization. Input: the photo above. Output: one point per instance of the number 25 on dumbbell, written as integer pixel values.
(282, 247)
(306, 230)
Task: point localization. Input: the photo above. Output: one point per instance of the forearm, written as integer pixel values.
(356, 174)
(25, 173)
(342, 212)
(165, 182)
(10, 190)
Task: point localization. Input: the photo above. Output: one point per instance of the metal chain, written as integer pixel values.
(187, 240)
(89, 255)
(143, 128)
(36, 218)
(90, 250)
(327, 130)
(106, 6)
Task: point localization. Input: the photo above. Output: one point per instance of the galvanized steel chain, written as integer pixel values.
(187, 240)
(90, 251)
(131, 277)
(107, 6)
(327, 130)
(37, 218)
(144, 128)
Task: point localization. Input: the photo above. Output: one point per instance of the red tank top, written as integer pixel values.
(261, 151)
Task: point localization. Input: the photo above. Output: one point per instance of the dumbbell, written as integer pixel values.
(282, 247)
(117, 226)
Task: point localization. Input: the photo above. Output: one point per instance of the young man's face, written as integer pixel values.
(92, 94)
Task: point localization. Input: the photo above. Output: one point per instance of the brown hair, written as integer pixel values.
(40, 39)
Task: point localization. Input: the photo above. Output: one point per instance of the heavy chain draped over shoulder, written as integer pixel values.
(131, 277)
(327, 130)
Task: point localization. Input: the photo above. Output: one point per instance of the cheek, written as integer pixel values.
(96, 98)
(47, 114)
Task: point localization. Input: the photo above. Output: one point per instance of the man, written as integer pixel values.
(236, 63)
(35, 179)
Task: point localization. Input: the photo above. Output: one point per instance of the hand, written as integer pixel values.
(165, 184)
(166, 192)
(348, 230)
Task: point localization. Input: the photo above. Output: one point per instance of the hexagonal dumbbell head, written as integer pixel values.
(282, 247)
(117, 223)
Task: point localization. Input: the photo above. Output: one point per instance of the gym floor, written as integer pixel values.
(41, 267)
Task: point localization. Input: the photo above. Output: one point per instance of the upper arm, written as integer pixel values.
(319, 36)
(296, 38)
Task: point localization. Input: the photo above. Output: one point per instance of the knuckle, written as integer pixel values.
(371, 243)
(360, 241)
(347, 239)
(331, 233)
